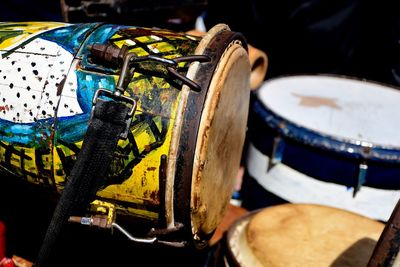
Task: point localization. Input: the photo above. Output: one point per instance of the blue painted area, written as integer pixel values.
(26, 134)
(88, 83)
(72, 129)
(71, 37)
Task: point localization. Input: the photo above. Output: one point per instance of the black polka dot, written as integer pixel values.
(19, 69)
(25, 105)
(22, 47)
(51, 76)
(4, 77)
(18, 95)
(17, 114)
(4, 100)
(30, 113)
(11, 106)
(43, 112)
(28, 87)
(35, 72)
(50, 65)
(24, 78)
(51, 102)
(42, 48)
(11, 85)
(33, 64)
(13, 62)
(33, 96)
(65, 105)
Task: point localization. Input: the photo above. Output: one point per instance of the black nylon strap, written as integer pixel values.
(92, 164)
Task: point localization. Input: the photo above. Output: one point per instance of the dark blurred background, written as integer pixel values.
(357, 38)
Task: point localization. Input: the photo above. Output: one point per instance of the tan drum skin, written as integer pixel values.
(294, 235)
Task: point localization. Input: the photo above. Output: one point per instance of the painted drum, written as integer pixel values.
(326, 140)
(175, 171)
(301, 235)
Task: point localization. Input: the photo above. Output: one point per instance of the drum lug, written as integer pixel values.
(164, 234)
(277, 152)
(153, 236)
(361, 178)
(166, 231)
(114, 56)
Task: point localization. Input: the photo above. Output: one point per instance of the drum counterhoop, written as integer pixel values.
(174, 148)
(314, 137)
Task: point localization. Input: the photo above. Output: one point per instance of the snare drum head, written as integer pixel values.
(306, 235)
(346, 109)
(220, 140)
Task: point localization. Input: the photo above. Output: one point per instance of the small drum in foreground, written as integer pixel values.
(172, 177)
(301, 235)
(325, 140)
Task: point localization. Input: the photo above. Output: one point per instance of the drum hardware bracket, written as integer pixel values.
(362, 168)
(102, 221)
(114, 55)
(166, 231)
(116, 96)
(361, 178)
(277, 152)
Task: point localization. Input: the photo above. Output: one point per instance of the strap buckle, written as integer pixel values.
(117, 97)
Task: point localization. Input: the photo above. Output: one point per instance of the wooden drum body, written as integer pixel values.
(176, 169)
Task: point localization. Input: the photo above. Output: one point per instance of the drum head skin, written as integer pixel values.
(346, 109)
(209, 137)
(220, 140)
(309, 235)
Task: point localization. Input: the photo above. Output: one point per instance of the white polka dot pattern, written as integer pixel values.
(31, 79)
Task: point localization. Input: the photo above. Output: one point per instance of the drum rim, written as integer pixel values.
(245, 219)
(352, 148)
(331, 75)
(215, 47)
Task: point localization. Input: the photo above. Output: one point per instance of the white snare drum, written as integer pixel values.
(327, 140)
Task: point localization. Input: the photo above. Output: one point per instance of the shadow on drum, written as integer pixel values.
(361, 249)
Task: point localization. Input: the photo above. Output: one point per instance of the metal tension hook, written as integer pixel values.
(118, 94)
(114, 55)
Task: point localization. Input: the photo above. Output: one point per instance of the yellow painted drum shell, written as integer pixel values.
(178, 164)
(301, 235)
